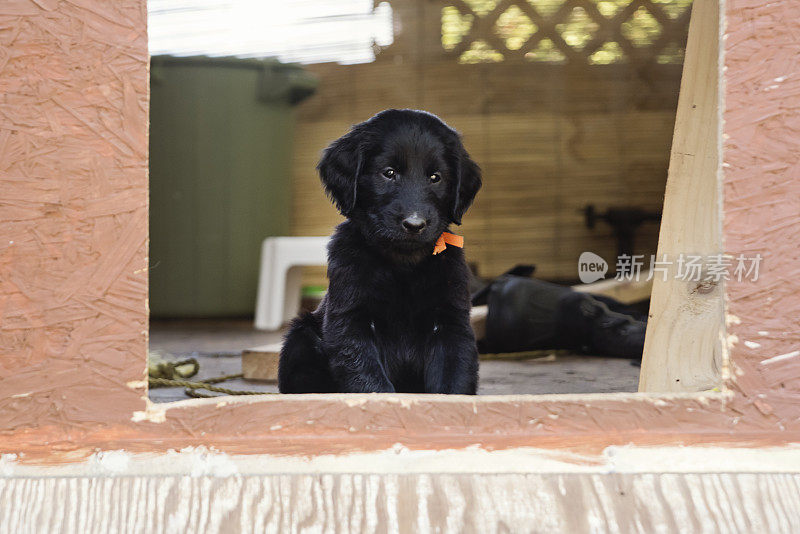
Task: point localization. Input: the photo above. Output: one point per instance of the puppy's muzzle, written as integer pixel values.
(414, 224)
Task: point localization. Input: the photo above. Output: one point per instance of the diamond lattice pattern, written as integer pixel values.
(594, 32)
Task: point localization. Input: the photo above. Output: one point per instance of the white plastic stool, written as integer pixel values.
(280, 277)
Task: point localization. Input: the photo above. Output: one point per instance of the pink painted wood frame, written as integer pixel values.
(73, 270)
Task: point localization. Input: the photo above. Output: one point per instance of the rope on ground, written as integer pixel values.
(160, 368)
(170, 375)
(167, 374)
(192, 387)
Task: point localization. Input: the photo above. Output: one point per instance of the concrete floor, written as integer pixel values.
(217, 346)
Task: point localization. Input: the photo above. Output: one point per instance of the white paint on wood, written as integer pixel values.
(624, 489)
(200, 461)
(683, 348)
(352, 503)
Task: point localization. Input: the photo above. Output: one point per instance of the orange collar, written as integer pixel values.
(448, 239)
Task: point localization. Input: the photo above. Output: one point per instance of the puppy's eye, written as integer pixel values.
(435, 177)
(389, 173)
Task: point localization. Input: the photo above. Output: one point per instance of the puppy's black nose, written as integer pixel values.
(414, 224)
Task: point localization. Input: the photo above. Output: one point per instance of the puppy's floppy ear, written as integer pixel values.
(339, 169)
(468, 182)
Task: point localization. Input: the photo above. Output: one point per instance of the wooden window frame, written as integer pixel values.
(73, 277)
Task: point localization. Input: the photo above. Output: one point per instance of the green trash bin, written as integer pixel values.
(220, 149)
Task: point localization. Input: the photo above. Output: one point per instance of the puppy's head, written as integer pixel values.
(403, 176)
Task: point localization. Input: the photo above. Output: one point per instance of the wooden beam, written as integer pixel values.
(683, 349)
(261, 363)
(392, 502)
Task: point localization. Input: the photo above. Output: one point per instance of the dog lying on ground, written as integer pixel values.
(396, 314)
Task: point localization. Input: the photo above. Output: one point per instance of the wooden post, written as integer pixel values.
(683, 349)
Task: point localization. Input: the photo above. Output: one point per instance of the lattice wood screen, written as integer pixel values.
(594, 32)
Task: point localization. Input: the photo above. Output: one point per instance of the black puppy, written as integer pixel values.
(396, 315)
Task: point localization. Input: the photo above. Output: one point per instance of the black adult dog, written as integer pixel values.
(396, 316)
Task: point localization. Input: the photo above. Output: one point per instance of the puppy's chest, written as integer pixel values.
(408, 309)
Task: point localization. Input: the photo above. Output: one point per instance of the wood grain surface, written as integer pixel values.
(683, 350)
(422, 503)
